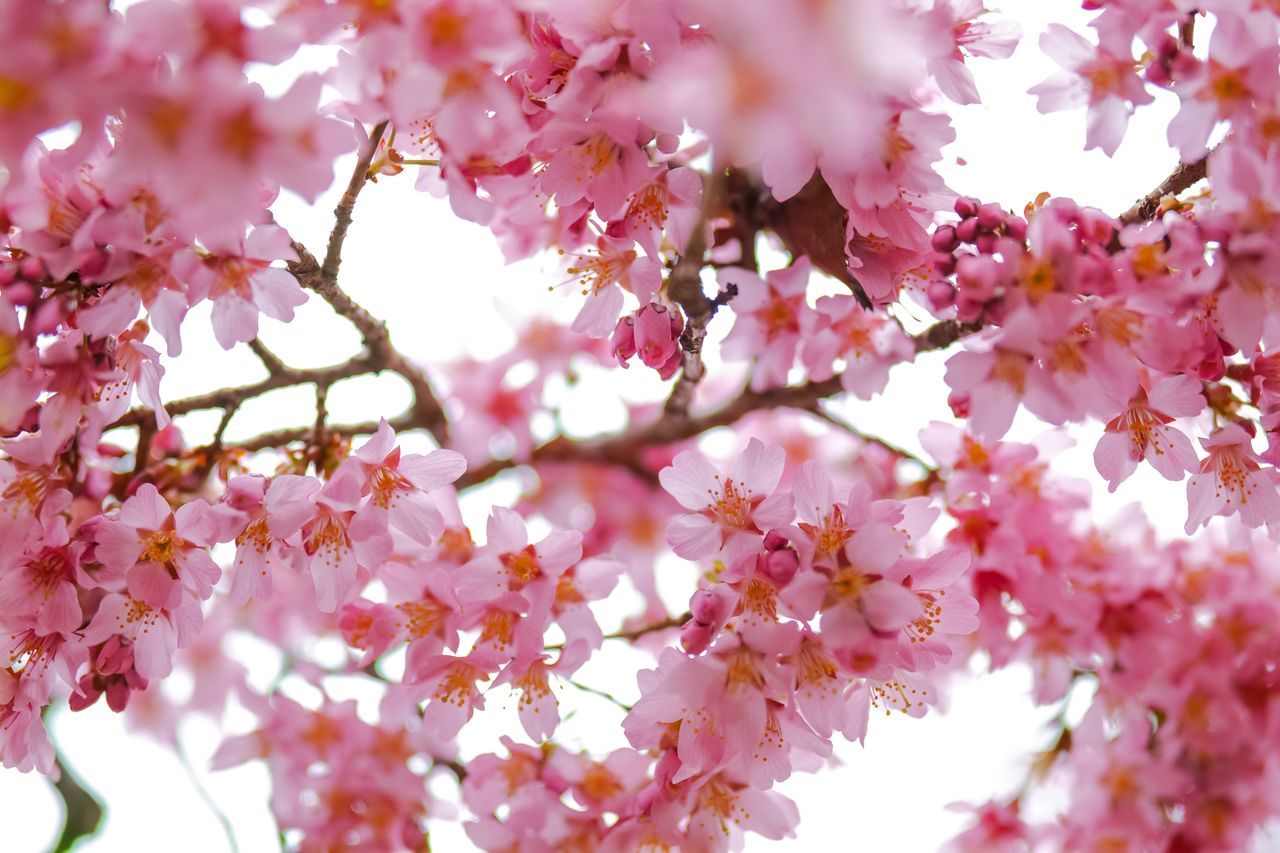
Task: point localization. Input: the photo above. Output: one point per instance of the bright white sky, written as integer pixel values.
(436, 280)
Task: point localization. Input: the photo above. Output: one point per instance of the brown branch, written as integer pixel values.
(623, 449)
(1149, 206)
(269, 360)
(225, 398)
(684, 287)
(83, 812)
(428, 413)
(342, 213)
(289, 435)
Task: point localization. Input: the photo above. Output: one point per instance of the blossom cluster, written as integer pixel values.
(652, 148)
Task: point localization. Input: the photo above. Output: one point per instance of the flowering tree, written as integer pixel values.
(693, 163)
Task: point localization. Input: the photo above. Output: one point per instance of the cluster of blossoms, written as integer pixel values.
(642, 143)
(1173, 644)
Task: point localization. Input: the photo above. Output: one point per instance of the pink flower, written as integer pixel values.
(241, 282)
(45, 584)
(664, 211)
(730, 513)
(956, 30)
(1231, 481)
(163, 552)
(448, 684)
(153, 632)
(869, 344)
(508, 563)
(1142, 431)
(398, 485)
(769, 314)
(275, 511)
(1092, 75)
(603, 273)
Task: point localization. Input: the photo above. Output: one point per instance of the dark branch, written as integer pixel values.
(1148, 207)
(83, 811)
(342, 213)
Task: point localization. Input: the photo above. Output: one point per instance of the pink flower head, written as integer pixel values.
(769, 315)
(276, 511)
(1143, 431)
(603, 274)
(163, 552)
(241, 282)
(960, 27)
(397, 485)
(869, 344)
(1231, 481)
(1092, 75)
(508, 563)
(44, 585)
(666, 209)
(653, 333)
(729, 513)
(153, 633)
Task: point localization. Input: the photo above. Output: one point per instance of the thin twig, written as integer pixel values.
(1148, 207)
(269, 360)
(218, 814)
(636, 633)
(684, 287)
(625, 448)
(594, 691)
(820, 411)
(235, 395)
(82, 811)
(342, 213)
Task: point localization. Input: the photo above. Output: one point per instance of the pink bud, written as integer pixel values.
(32, 269)
(986, 243)
(655, 335)
(708, 608)
(941, 295)
(959, 404)
(944, 265)
(114, 657)
(990, 215)
(779, 566)
(967, 230)
(695, 637)
(1016, 227)
(944, 239)
(967, 206)
(775, 541)
(623, 342)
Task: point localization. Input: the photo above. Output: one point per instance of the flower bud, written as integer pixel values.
(775, 541)
(708, 608)
(967, 206)
(941, 295)
(623, 342)
(779, 566)
(967, 230)
(696, 637)
(944, 239)
(990, 215)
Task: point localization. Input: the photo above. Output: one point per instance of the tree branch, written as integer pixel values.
(1148, 207)
(82, 809)
(623, 449)
(225, 398)
(427, 410)
(342, 213)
